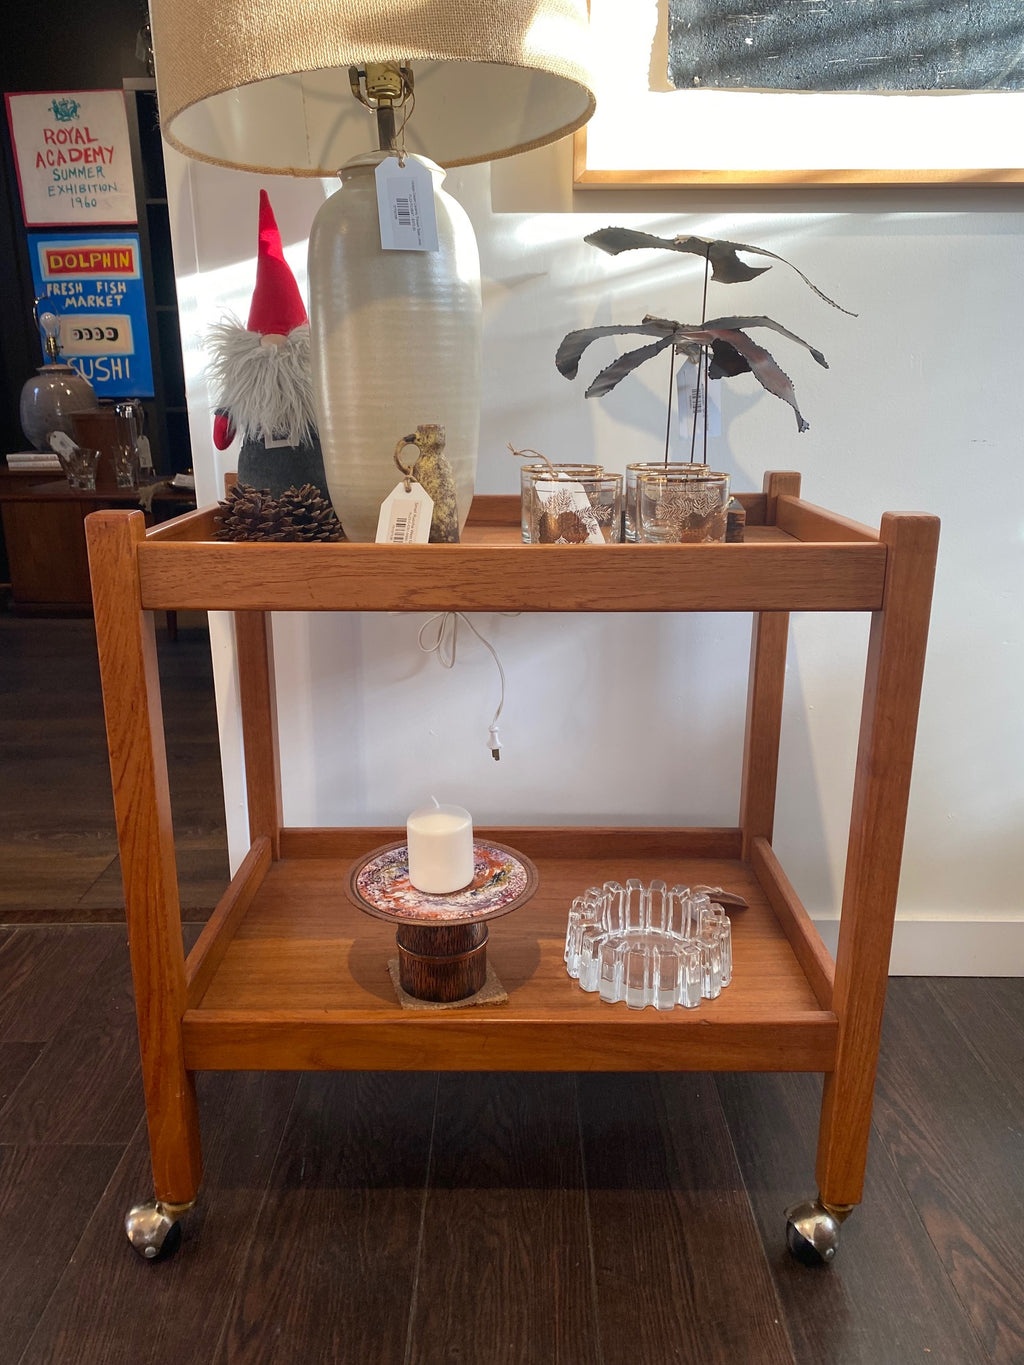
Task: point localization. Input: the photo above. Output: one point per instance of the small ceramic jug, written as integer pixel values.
(434, 472)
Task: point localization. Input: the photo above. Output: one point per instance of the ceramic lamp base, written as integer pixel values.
(395, 343)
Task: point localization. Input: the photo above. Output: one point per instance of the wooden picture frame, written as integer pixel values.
(646, 135)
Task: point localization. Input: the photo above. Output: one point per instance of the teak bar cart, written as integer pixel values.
(288, 974)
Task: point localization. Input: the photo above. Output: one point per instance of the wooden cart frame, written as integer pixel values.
(288, 975)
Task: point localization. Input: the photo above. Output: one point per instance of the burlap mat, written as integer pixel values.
(492, 992)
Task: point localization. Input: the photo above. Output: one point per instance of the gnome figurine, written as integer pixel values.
(262, 378)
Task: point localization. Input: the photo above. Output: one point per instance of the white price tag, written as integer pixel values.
(405, 204)
(691, 403)
(62, 443)
(566, 513)
(405, 517)
(145, 454)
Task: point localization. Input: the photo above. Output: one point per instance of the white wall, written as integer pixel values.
(639, 720)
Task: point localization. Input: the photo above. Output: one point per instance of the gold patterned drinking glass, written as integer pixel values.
(631, 524)
(582, 509)
(682, 507)
(530, 512)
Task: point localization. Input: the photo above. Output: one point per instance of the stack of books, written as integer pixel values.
(35, 461)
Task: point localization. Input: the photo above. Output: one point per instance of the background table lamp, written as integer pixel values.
(283, 87)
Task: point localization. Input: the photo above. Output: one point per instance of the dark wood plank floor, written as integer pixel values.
(58, 846)
(388, 1219)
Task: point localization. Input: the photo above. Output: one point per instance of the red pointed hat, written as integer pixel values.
(276, 302)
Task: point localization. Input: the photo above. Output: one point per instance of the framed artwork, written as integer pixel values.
(866, 92)
(95, 286)
(73, 157)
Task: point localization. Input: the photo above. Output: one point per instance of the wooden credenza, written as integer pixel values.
(44, 534)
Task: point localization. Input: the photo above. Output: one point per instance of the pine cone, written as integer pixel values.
(311, 516)
(300, 514)
(250, 514)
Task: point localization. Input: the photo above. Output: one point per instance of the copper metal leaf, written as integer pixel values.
(567, 357)
(607, 379)
(736, 352)
(726, 266)
(726, 361)
(763, 367)
(734, 324)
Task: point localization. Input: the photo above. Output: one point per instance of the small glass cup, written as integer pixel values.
(583, 508)
(525, 493)
(529, 473)
(80, 467)
(682, 507)
(630, 526)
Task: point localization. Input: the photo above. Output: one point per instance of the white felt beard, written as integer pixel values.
(266, 390)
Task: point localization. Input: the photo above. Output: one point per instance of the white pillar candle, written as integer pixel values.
(440, 840)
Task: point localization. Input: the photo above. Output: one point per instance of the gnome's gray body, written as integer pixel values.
(282, 466)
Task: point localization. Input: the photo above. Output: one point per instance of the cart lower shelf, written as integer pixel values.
(290, 975)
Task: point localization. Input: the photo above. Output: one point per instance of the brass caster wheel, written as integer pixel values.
(154, 1229)
(812, 1230)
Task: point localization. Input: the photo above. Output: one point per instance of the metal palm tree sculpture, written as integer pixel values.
(719, 347)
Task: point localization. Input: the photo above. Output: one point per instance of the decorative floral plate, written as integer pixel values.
(502, 880)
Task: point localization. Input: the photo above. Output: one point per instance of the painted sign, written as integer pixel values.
(73, 157)
(873, 45)
(94, 285)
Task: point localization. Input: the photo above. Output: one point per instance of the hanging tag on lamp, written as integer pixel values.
(405, 205)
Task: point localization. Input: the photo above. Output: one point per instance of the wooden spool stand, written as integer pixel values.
(442, 964)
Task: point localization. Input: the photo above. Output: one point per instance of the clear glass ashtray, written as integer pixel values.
(649, 945)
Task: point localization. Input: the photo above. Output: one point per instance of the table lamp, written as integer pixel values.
(284, 88)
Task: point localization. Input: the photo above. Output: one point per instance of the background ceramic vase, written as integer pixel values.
(50, 399)
(395, 343)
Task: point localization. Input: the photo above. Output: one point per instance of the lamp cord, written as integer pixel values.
(445, 646)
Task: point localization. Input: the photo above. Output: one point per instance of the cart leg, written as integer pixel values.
(769, 638)
(135, 736)
(881, 788)
(257, 697)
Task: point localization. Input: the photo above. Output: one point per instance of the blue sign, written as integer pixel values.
(94, 285)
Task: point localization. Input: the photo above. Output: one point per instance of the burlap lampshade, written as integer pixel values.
(263, 85)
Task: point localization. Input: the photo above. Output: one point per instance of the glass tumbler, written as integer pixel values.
(80, 467)
(528, 473)
(682, 507)
(631, 523)
(582, 509)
